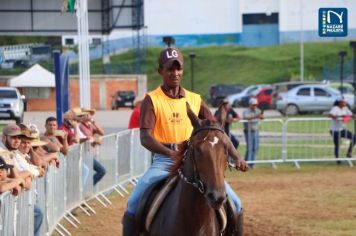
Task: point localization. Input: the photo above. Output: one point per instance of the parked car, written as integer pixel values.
(11, 104)
(308, 98)
(346, 88)
(236, 98)
(257, 94)
(284, 87)
(11, 63)
(123, 99)
(264, 98)
(219, 92)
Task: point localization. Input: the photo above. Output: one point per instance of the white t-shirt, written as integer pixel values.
(338, 124)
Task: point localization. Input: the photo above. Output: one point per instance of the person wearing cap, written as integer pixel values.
(340, 115)
(226, 115)
(14, 185)
(134, 121)
(164, 125)
(253, 115)
(11, 140)
(56, 141)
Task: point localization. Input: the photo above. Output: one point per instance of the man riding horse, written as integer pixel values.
(164, 125)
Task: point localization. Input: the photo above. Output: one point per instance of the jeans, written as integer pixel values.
(252, 142)
(99, 171)
(337, 135)
(234, 140)
(38, 218)
(158, 171)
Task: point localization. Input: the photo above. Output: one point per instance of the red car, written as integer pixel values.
(264, 98)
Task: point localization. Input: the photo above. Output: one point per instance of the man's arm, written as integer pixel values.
(153, 145)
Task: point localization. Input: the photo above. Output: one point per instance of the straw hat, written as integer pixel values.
(36, 141)
(91, 111)
(77, 111)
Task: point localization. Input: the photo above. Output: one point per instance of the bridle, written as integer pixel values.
(196, 180)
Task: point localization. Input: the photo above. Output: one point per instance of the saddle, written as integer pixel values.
(154, 196)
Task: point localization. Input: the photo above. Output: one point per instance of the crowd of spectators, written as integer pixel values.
(25, 154)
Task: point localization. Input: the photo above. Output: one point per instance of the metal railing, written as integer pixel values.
(294, 140)
(71, 185)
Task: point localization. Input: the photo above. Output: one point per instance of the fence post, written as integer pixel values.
(284, 140)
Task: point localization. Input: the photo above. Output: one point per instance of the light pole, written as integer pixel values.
(192, 56)
(353, 45)
(342, 54)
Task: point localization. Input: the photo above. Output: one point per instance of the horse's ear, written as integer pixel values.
(196, 122)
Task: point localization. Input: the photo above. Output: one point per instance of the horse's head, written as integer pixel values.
(206, 159)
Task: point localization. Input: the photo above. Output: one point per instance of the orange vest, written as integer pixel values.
(172, 122)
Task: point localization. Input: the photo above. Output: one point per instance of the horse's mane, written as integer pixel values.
(183, 150)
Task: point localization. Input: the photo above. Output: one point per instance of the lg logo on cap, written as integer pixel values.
(174, 54)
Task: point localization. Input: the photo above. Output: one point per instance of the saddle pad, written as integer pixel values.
(157, 201)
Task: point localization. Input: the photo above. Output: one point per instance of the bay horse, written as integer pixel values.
(190, 207)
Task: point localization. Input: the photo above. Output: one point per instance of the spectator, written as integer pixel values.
(71, 127)
(24, 159)
(253, 115)
(14, 185)
(12, 135)
(134, 121)
(11, 140)
(56, 139)
(37, 148)
(340, 115)
(92, 132)
(226, 115)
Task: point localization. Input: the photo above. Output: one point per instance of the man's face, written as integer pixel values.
(172, 76)
(25, 146)
(3, 174)
(12, 142)
(51, 127)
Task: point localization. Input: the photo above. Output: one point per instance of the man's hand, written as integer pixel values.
(241, 165)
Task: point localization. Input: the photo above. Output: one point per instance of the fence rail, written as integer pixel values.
(294, 140)
(71, 185)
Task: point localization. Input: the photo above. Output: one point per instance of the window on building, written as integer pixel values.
(69, 41)
(96, 41)
(258, 19)
(32, 93)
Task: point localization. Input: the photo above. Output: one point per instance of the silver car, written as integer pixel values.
(309, 98)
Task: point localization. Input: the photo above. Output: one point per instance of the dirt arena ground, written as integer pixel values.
(318, 199)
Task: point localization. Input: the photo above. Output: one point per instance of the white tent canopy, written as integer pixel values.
(36, 76)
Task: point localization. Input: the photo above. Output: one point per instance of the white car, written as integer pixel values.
(11, 104)
(235, 98)
(309, 98)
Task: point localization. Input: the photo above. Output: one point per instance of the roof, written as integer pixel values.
(36, 76)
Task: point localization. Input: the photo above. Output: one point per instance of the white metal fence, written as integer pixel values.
(294, 140)
(70, 186)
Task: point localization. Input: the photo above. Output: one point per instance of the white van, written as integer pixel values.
(11, 104)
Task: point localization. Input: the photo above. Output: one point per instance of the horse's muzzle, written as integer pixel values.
(216, 199)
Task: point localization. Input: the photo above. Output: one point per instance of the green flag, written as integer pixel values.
(70, 5)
